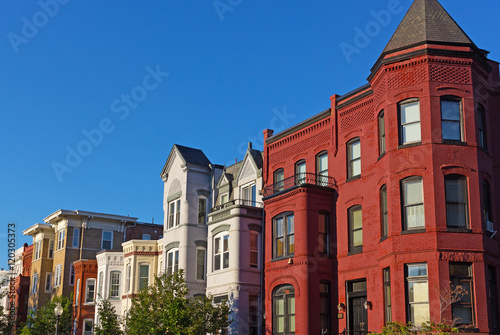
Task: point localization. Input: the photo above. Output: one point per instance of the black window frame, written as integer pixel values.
(350, 216)
(465, 195)
(448, 98)
(300, 177)
(460, 279)
(324, 237)
(482, 132)
(279, 185)
(487, 208)
(286, 236)
(386, 277)
(286, 297)
(493, 297)
(325, 302)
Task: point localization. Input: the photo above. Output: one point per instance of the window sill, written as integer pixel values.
(380, 157)
(281, 258)
(458, 230)
(355, 252)
(454, 142)
(409, 145)
(413, 231)
(353, 178)
(382, 239)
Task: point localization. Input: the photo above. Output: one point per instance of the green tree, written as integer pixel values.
(109, 323)
(6, 325)
(398, 328)
(43, 321)
(165, 308)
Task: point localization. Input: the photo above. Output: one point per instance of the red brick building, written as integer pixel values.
(410, 201)
(84, 295)
(22, 286)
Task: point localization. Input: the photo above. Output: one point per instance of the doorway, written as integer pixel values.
(356, 313)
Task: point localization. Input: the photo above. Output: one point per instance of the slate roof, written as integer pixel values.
(426, 20)
(193, 156)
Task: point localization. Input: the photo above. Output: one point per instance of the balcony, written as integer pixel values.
(298, 180)
(235, 207)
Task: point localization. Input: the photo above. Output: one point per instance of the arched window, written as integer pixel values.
(381, 133)
(412, 196)
(355, 229)
(384, 217)
(284, 310)
(322, 168)
(409, 122)
(323, 233)
(451, 119)
(283, 235)
(300, 172)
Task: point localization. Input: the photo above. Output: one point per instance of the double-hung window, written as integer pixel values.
(172, 261)
(76, 238)
(323, 233)
(284, 310)
(463, 310)
(355, 229)
(322, 168)
(60, 239)
(221, 251)
(409, 122)
(482, 134)
(57, 276)
(354, 158)
(88, 326)
(487, 202)
(38, 250)
(128, 273)
(77, 299)
(200, 263)
(51, 249)
(114, 284)
(100, 285)
(381, 133)
(107, 240)
(249, 194)
(89, 290)
(48, 282)
(174, 211)
(417, 293)
(71, 274)
(456, 201)
(34, 284)
(387, 295)
(300, 172)
(451, 119)
(143, 276)
(493, 295)
(202, 210)
(254, 249)
(279, 180)
(325, 306)
(413, 203)
(384, 215)
(283, 235)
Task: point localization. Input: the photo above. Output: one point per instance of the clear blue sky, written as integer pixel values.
(231, 74)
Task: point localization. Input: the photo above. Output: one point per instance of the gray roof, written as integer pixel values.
(426, 21)
(193, 156)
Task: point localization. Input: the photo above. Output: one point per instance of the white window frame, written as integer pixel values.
(48, 282)
(417, 279)
(38, 250)
(257, 235)
(115, 285)
(248, 194)
(405, 125)
(221, 237)
(76, 238)
(58, 275)
(354, 158)
(102, 239)
(100, 285)
(34, 284)
(173, 263)
(71, 274)
(87, 291)
(77, 296)
(128, 275)
(50, 251)
(146, 237)
(204, 272)
(174, 213)
(85, 322)
(224, 198)
(407, 206)
(61, 235)
(139, 274)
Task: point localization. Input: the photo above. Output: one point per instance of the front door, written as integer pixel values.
(358, 316)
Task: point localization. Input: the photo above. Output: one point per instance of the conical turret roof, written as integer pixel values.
(426, 21)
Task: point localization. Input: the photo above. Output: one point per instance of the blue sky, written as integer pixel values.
(95, 93)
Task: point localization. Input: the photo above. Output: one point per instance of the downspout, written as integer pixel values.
(125, 229)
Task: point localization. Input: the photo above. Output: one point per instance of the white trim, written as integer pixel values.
(87, 282)
(48, 281)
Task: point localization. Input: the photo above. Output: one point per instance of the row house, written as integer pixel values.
(235, 263)
(375, 205)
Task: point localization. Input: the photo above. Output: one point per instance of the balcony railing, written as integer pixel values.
(240, 202)
(303, 178)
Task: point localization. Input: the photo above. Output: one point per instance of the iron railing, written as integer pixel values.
(346, 332)
(303, 178)
(240, 202)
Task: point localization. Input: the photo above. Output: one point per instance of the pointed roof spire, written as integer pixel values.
(426, 21)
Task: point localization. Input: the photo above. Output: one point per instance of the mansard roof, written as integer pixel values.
(426, 21)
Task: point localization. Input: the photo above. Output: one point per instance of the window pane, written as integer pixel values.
(456, 215)
(355, 150)
(413, 192)
(280, 324)
(280, 306)
(420, 313)
(290, 224)
(357, 219)
(226, 243)
(291, 244)
(291, 305)
(415, 216)
(323, 162)
(356, 168)
(418, 291)
(451, 130)
(291, 323)
(411, 133)
(357, 238)
(217, 262)
(450, 110)
(280, 247)
(410, 112)
(144, 270)
(279, 227)
(416, 270)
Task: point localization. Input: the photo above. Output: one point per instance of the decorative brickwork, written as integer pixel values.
(450, 74)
